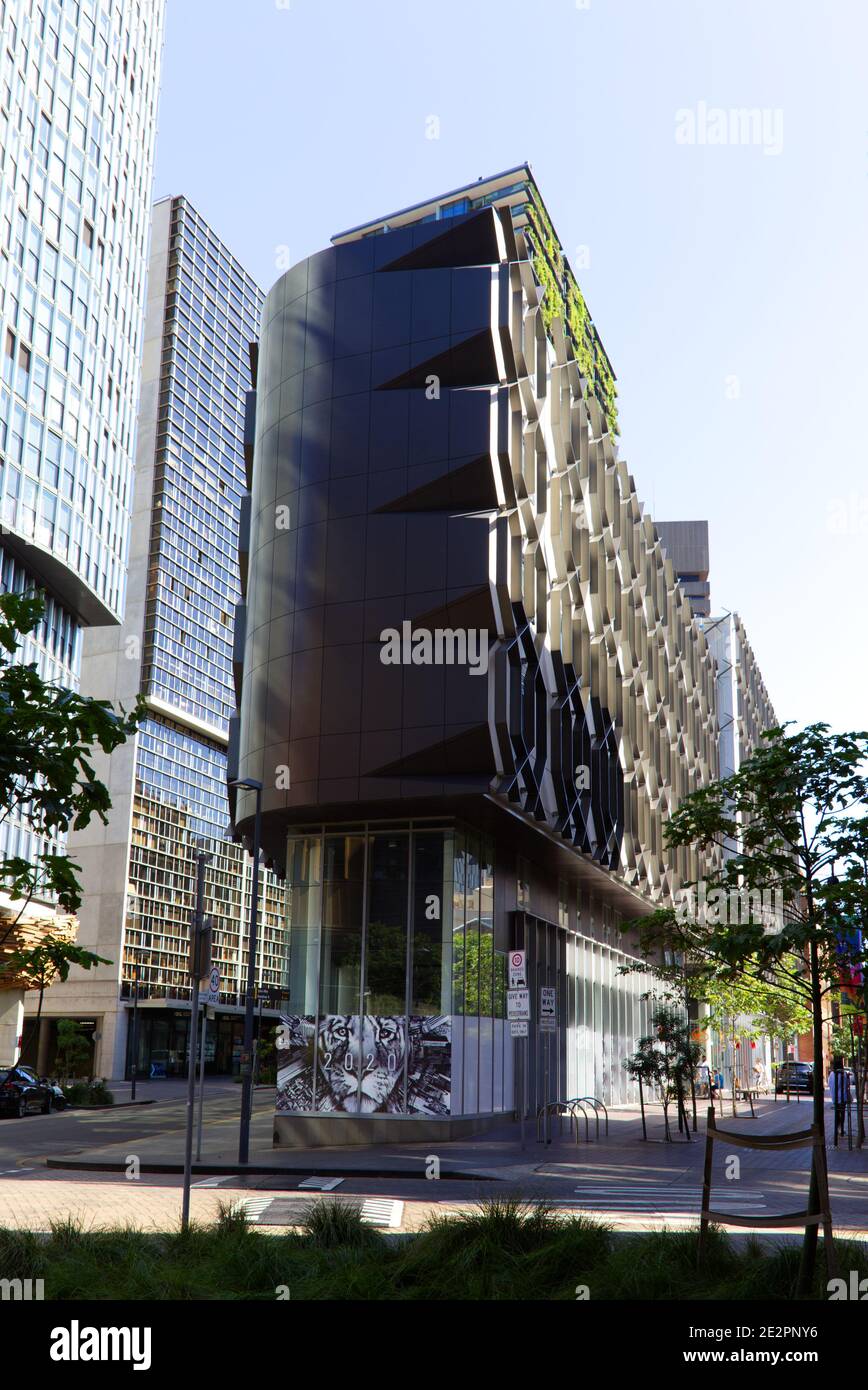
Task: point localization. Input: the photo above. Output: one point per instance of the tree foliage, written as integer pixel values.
(48, 734)
(795, 812)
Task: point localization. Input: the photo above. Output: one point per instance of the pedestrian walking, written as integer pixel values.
(839, 1092)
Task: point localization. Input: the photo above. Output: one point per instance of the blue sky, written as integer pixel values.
(727, 279)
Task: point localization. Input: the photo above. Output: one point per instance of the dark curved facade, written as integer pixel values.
(449, 590)
(380, 486)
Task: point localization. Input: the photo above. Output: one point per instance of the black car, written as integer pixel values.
(22, 1093)
(795, 1076)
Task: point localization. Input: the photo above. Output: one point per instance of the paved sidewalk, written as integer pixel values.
(632, 1183)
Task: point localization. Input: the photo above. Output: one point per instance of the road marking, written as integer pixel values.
(253, 1208)
(662, 1198)
(214, 1182)
(322, 1184)
(382, 1211)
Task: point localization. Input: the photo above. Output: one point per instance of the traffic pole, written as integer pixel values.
(196, 933)
(201, 1085)
(135, 1048)
(247, 1051)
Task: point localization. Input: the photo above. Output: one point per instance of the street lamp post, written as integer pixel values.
(246, 1068)
(134, 1067)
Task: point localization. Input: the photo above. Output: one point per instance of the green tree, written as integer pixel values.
(750, 1009)
(73, 1048)
(47, 737)
(665, 1062)
(788, 816)
(51, 958)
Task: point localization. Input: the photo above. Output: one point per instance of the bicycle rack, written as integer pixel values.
(562, 1108)
(598, 1106)
(571, 1108)
(572, 1104)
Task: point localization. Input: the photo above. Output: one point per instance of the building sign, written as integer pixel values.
(518, 1004)
(518, 969)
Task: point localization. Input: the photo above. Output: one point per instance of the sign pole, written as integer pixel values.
(196, 935)
(520, 1053)
(201, 1085)
(524, 1071)
(211, 996)
(518, 1016)
(546, 1116)
(135, 1048)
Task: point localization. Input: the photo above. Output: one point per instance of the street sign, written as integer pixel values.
(518, 1027)
(518, 1004)
(210, 993)
(518, 969)
(201, 934)
(548, 1020)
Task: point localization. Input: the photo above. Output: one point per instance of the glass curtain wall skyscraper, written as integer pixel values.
(78, 103)
(175, 649)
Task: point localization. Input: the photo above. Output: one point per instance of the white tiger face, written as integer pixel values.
(379, 1044)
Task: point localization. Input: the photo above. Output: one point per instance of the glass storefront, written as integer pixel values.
(606, 1018)
(163, 1043)
(398, 981)
(397, 993)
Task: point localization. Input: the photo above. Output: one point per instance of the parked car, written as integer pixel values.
(22, 1093)
(795, 1076)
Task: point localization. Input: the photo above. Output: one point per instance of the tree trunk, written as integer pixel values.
(37, 1022)
(860, 1095)
(809, 1246)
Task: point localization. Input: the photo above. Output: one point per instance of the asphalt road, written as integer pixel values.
(78, 1131)
(632, 1184)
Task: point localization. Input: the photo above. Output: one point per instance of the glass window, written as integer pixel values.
(342, 916)
(431, 900)
(303, 920)
(386, 947)
(459, 871)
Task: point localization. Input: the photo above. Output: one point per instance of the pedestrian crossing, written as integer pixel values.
(663, 1197)
(270, 1210)
(254, 1208)
(383, 1211)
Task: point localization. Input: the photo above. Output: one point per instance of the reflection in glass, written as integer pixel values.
(429, 901)
(386, 947)
(303, 920)
(342, 915)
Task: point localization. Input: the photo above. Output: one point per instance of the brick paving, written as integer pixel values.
(632, 1184)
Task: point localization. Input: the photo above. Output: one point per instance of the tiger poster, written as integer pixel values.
(366, 1064)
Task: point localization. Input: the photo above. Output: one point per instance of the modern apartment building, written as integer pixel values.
(473, 688)
(78, 102)
(175, 649)
(745, 710)
(744, 713)
(686, 545)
